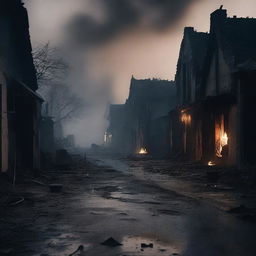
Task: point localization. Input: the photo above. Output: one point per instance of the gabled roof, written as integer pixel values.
(151, 89)
(235, 36)
(239, 41)
(198, 43)
(18, 85)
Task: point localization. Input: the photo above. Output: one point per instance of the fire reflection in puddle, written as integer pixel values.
(148, 246)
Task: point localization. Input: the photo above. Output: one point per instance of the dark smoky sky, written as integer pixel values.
(121, 15)
(108, 41)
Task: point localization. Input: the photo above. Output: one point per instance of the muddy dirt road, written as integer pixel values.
(104, 200)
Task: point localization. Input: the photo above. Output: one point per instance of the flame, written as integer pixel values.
(222, 142)
(185, 118)
(211, 163)
(143, 151)
(224, 139)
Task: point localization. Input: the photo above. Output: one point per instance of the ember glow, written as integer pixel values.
(143, 151)
(224, 139)
(211, 163)
(185, 118)
(221, 136)
(223, 142)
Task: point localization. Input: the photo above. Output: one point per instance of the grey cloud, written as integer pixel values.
(122, 15)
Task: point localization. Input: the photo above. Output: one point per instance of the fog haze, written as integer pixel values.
(108, 41)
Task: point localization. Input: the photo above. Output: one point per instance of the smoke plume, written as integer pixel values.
(122, 15)
(106, 42)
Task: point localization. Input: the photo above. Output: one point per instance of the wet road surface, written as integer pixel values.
(106, 199)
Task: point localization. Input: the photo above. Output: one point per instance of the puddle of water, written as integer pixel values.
(140, 173)
(164, 181)
(64, 245)
(119, 195)
(134, 244)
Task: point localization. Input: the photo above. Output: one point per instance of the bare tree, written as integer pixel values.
(48, 63)
(63, 104)
(52, 72)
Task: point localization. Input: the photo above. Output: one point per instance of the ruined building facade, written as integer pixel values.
(210, 116)
(20, 104)
(116, 131)
(186, 138)
(216, 93)
(134, 125)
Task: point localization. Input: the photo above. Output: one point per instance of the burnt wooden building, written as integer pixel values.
(216, 98)
(20, 104)
(186, 118)
(159, 144)
(115, 134)
(141, 124)
(149, 100)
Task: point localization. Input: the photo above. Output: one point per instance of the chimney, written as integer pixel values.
(188, 30)
(217, 19)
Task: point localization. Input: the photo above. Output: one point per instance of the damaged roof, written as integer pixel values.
(141, 89)
(197, 43)
(239, 42)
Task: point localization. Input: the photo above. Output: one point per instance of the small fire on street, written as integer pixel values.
(211, 163)
(143, 151)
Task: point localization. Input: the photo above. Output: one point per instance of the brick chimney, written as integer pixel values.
(218, 17)
(188, 30)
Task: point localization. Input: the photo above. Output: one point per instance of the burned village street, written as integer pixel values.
(127, 128)
(148, 213)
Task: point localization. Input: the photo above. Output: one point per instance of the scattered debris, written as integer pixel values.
(79, 249)
(239, 209)
(55, 188)
(143, 245)
(111, 242)
(108, 188)
(38, 182)
(17, 201)
(96, 213)
(220, 187)
(122, 213)
(168, 212)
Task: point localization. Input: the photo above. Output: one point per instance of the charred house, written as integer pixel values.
(216, 75)
(210, 109)
(20, 104)
(141, 124)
